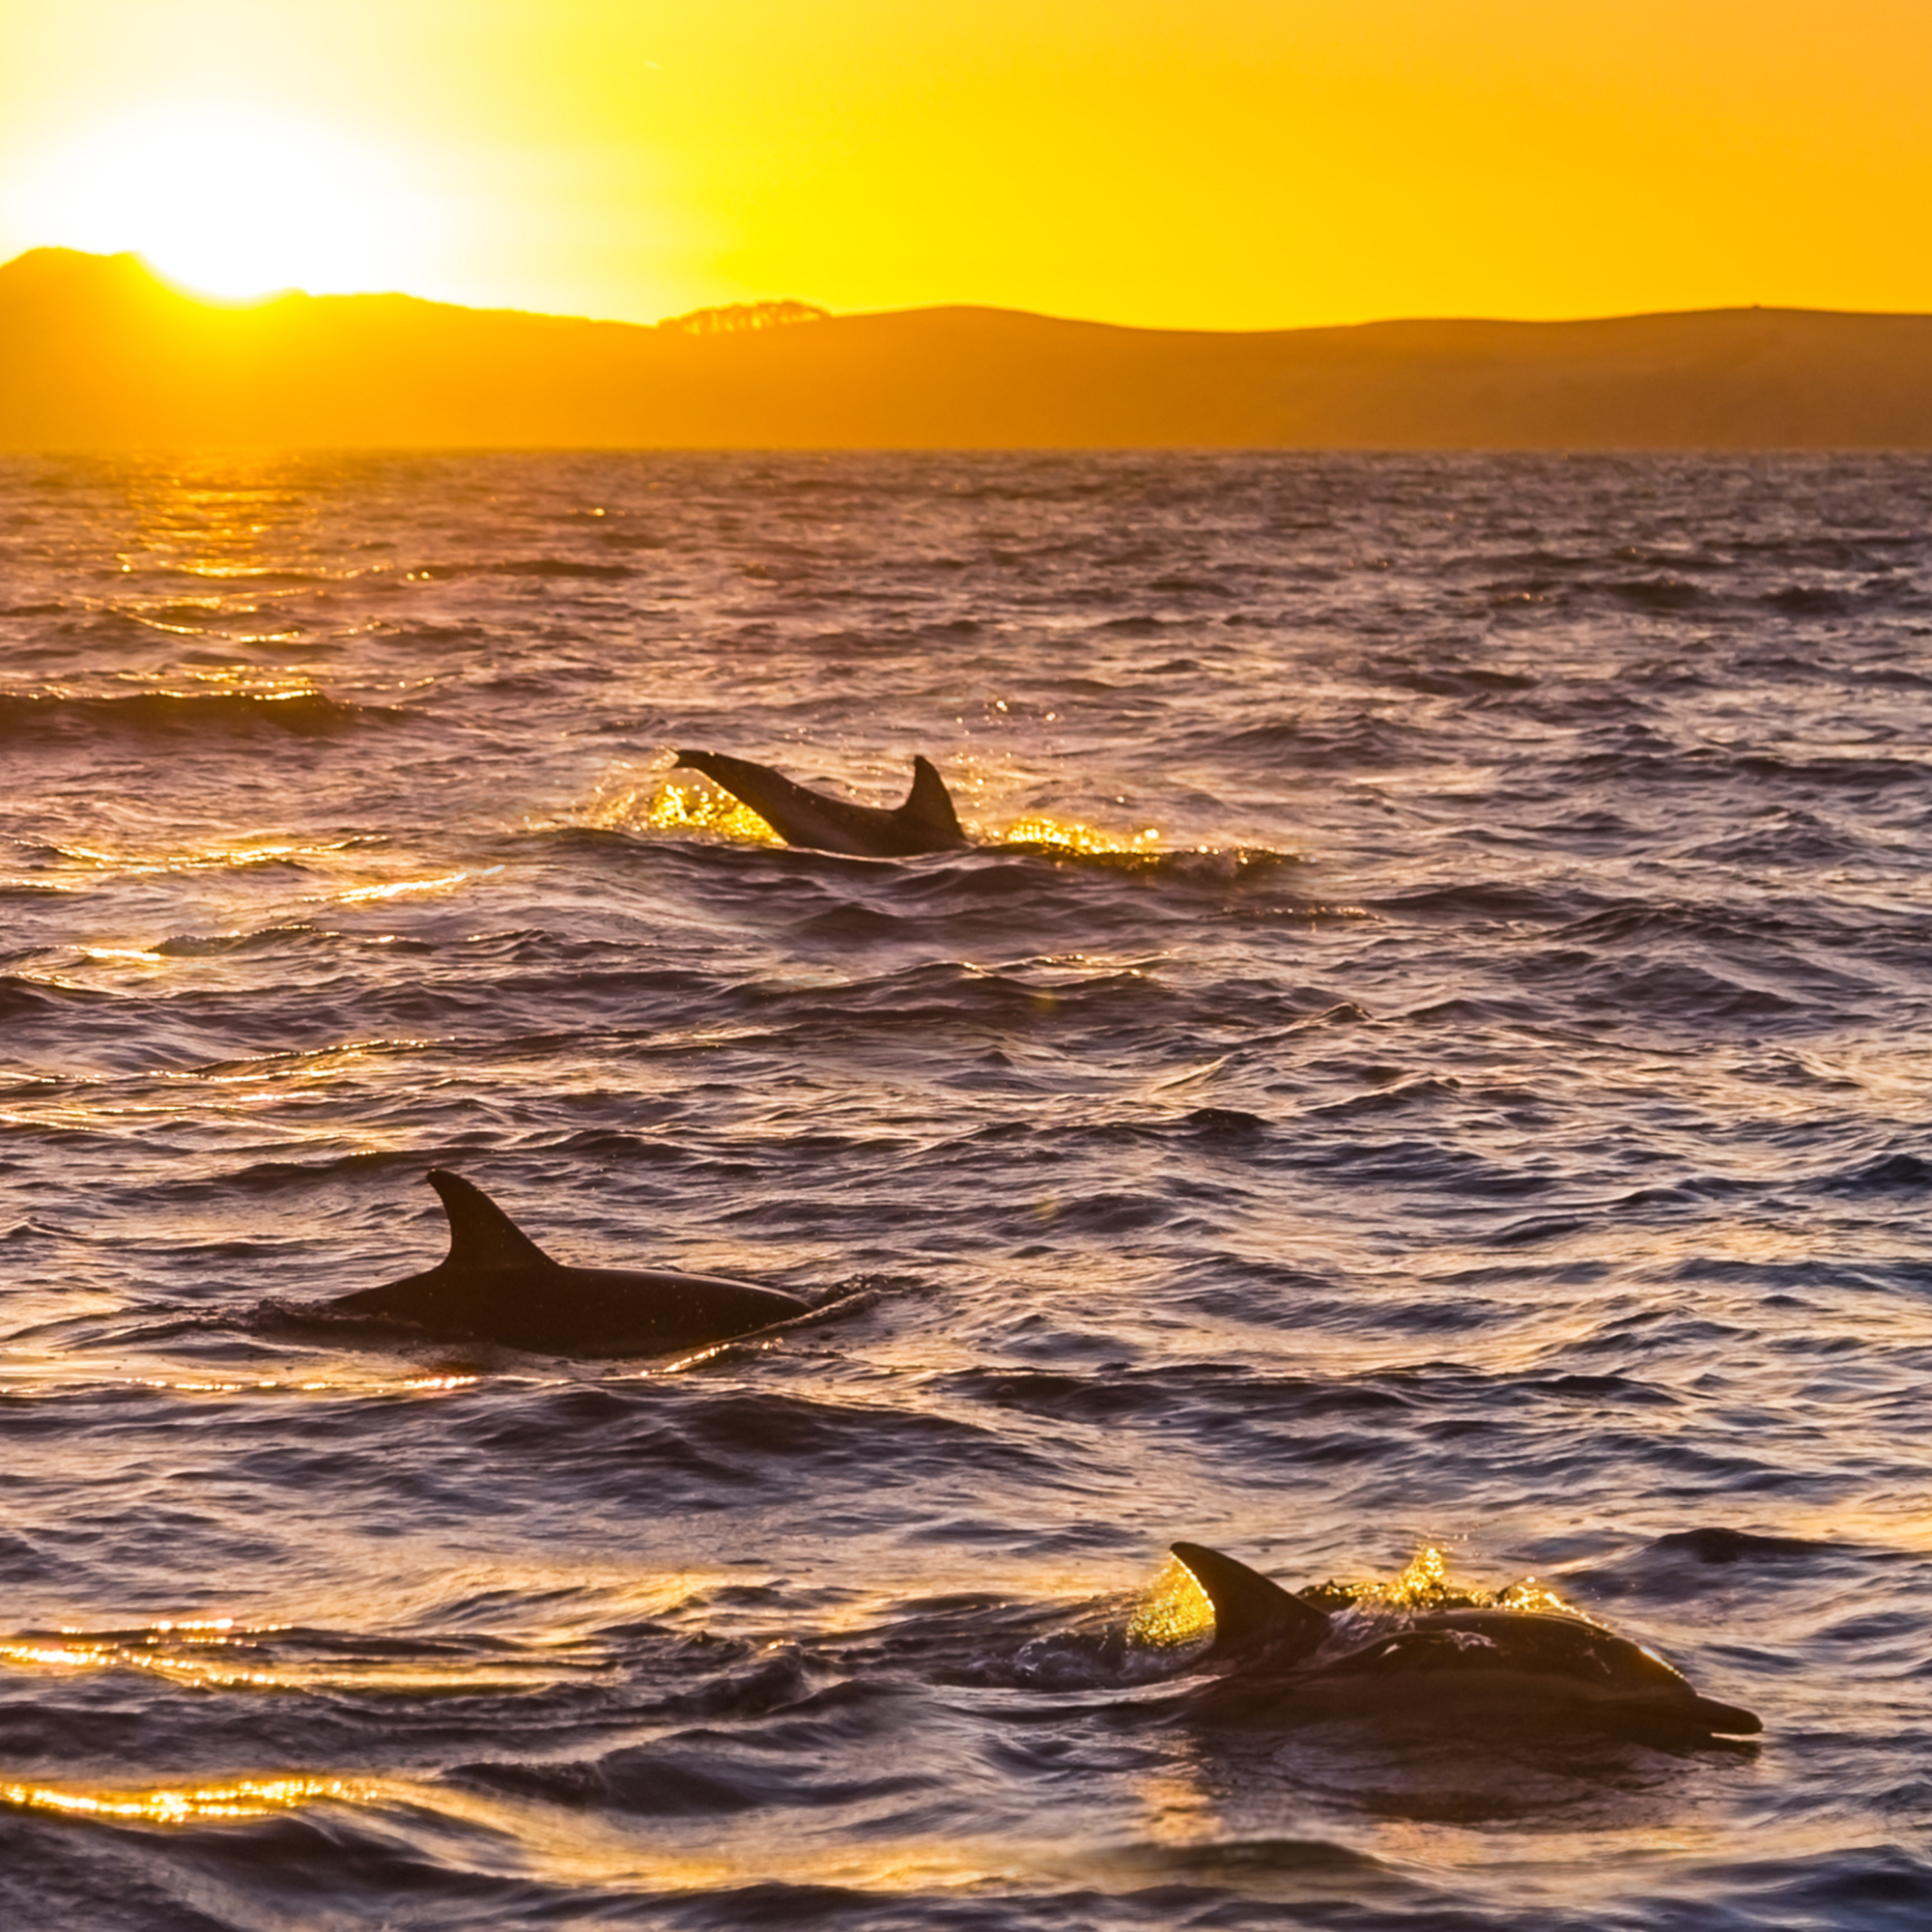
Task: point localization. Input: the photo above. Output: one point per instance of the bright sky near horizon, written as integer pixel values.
(1206, 163)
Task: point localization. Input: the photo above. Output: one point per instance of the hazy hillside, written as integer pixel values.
(94, 352)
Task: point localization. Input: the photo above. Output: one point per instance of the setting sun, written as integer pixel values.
(234, 202)
(1244, 166)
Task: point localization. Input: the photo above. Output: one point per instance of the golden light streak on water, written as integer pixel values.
(319, 1385)
(391, 1676)
(401, 887)
(126, 1657)
(23, 1374)
(245, 1798)
(214, 856)
(223, 1652)
(575, 1847)
(1177, 1809)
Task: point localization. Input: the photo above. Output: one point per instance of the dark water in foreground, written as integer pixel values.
(1490, 1113)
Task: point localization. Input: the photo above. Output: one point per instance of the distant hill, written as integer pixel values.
(94, 352)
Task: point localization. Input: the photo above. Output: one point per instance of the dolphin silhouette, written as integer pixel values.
(1284, 1663)
(926, 822)
(496, 1284)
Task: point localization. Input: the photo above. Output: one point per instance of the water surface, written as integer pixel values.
(1432, 1055)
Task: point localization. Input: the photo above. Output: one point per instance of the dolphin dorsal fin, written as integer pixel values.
(1249, 1609)
(482, 1237)
(929, 803)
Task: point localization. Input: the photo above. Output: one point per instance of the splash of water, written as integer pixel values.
(1425, 1584)
(1071, 836)
(675, 805)
(1174, 1613)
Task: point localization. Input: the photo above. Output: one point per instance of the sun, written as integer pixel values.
(234, 201)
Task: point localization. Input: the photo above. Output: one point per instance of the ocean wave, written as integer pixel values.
(38, 716)
(1448, 1073)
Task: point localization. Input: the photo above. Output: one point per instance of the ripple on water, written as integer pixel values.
(1427, 1056)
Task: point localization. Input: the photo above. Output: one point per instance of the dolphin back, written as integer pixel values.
(1447, 1666)
(483, 1239)
(926, 822)
(1251, 1612)
(928, 807)
(496, 1284)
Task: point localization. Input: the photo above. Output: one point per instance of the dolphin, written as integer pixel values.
(496, 1284)
(1286, 1659)
(926, 822)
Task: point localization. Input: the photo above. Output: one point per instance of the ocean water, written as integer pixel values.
(1431, 1056)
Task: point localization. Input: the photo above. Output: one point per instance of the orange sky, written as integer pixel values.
(1211, 163)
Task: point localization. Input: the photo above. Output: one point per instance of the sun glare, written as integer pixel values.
(233, 202)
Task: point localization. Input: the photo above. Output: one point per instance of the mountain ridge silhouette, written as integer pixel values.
(97, 352)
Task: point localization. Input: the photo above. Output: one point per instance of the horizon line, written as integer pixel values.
(265, 298)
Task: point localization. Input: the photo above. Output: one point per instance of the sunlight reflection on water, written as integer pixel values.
(1432, 1064)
